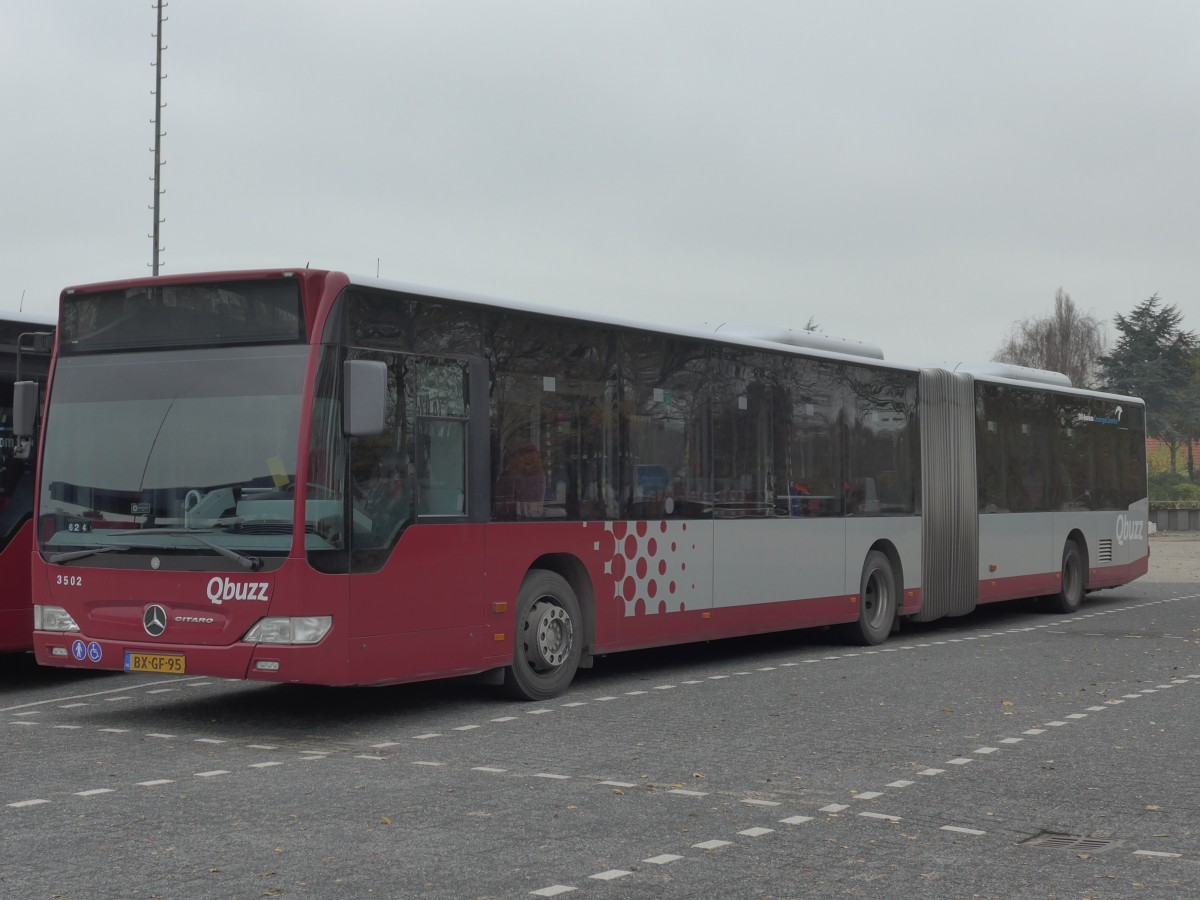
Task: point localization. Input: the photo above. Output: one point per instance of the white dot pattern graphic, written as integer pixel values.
(652, 565)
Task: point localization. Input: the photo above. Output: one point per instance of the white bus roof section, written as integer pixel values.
(809, 340)
(1020, 376)
(1015, 373)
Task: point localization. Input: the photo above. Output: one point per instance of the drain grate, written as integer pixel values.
(1074, 842)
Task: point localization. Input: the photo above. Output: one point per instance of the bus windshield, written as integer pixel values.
(196, 442)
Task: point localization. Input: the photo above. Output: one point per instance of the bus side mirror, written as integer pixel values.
(364, 396)
(25, 410)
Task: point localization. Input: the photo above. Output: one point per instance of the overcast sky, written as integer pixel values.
(915, 174)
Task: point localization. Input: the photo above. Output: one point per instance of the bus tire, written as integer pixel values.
(877, 599)
(548, 638)
(1071, 589)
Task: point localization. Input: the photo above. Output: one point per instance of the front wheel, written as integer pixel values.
(876, 602)
(1071, 590)
(548, 639)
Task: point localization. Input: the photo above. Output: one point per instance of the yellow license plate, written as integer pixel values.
(160, 663)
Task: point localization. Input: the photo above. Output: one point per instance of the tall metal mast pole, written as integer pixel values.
(158, 135)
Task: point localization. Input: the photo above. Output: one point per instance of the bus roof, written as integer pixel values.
(777, 338)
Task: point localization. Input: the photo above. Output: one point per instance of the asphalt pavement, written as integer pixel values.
(1011, 753)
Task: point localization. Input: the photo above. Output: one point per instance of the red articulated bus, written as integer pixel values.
(303, 476)
(25, 341)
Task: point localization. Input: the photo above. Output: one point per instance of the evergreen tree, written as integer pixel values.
(1155, 359)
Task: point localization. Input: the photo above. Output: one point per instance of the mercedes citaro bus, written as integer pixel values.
(306, 476)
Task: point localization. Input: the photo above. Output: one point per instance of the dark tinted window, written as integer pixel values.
(810, 466)
(554, 435)
(883, 442)
(751, 413)
(1100, 454)
(410, 323)
(664, 428)
(1013, 446)
(183, 315)
(1038, 451)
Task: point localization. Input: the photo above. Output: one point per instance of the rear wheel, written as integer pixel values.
(876, 602)
(1071, 589)
(548, 639)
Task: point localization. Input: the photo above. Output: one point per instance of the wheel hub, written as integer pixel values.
(549, 635)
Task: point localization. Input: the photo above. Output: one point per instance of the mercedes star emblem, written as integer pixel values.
(154, 620)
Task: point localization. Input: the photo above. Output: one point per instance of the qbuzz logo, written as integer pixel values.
(222, 589)
(1130, 529)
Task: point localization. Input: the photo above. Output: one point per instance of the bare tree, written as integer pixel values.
(1066, 341)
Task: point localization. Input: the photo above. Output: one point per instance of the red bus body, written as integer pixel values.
(451, 595)
(16, 491)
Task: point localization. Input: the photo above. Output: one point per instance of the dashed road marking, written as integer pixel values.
(611, 874)
(553, 891)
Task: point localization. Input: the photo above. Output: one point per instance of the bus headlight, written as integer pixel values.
(52, 618)
(289, 630)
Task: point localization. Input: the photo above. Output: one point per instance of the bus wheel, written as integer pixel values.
(876, 602)
(1070, 593)
(549, 636)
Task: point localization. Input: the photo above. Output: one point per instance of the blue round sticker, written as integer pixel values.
(78, 650)
(94, 651)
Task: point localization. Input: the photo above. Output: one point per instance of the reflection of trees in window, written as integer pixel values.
(882, 441)
(810, 467)
(1100, 454)
(663, 425)
(552, 412)
(1074, 472)
(749, 408)
(1012, 445)
(1039, 451)
(412, 324)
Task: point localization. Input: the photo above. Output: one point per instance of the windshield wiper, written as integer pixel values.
(81, 554)
(244, 560)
